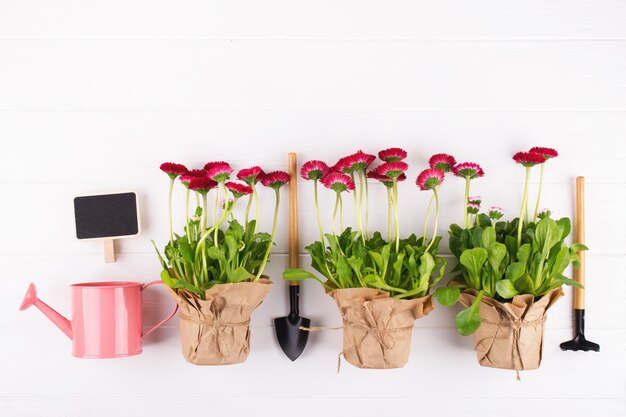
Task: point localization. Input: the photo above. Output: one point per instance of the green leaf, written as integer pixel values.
(185, 250)
(161, 260)
(477, 237)
(523, 253)
(547, 234)
(565, 226)
(473, 261)
(468, 320)
(455, 230)
(511, 245)
(427, 264)
(489, 237)
(578, 247)
(524, 284)
(515, 271)
(377, 258)
(298, 274)
(447, 296)
(167, 279)
(561, 279)
(484, 220)
(506, 289)
(344, 272)
(240, 274)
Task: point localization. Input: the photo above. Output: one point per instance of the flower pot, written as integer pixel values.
(510, 335)
(377, 328)
(216, 331)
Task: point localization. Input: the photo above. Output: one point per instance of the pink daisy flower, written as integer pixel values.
(251, 175)
(202, 184)
(275, 179)
(496, 212)
(476, 199)
(238, 190)
(338, 182)
(529, 159)
(547, 153)
(219, 171)
(442, 162)
(314, 170)
(429, 179)
(468, 170)
(544, 213)
(392, 169)
(473, 208)
(173, 170)
(392, 154)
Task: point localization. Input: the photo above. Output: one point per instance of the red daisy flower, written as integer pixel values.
(338, 181)
(219, 171)
(202, 184)
(529, 159)
(546, 152)
(359, 161)
(238, 190)
(392, 169)
(442, 162)
(468, 170)
(429, 179)
(342, 165)
(314, 170)
(275, 179)
(251, 175)
(386, 181)
(392, 154)
(173, 170)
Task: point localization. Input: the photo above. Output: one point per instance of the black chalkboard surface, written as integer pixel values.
(106, 216)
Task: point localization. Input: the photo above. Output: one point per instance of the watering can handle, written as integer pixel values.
(143, 287)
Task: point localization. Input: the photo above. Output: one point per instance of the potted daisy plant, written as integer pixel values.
(214, 269)
(509, 273)
(380, 281)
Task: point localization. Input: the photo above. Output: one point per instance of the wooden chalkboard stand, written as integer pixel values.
(109, 250)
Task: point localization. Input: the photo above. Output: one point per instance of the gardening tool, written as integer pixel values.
(106, 318)
(290, 337)
(579, 342)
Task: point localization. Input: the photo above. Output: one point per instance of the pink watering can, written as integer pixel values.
(106, 318)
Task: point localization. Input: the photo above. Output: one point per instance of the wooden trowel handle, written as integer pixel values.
(579, 274)
(293, 214)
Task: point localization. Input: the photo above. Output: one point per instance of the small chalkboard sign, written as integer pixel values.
(107, 217)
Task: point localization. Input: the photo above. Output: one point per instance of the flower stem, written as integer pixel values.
(367, 206)
(361, 189)
(357, 208)
(465, 202)
(319, 224)
(205, 204)
(430, 203)
(436, 219)
(524, 203)
(206, 233)
(187, 216)
(258, 209)
(169, 202)
(395, 197)
(248, 210)
(539, 193)
(340, 213)
(335, 214)
(269, 246)
(389, 209)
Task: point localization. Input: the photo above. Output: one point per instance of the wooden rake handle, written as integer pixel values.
(293, 214)
(579, 274)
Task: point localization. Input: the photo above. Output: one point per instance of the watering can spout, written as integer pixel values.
(31, 299)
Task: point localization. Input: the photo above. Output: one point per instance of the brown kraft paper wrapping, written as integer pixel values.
(216, 331)
(510, 335)
(377, 328)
